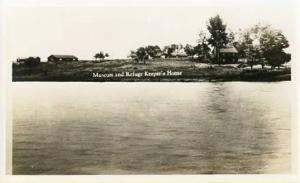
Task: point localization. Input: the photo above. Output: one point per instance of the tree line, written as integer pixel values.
(258, 44)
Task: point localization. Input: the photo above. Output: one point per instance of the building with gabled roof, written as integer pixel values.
(53, 58)
(228, 54)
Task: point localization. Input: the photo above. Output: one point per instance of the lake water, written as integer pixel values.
(151, 128)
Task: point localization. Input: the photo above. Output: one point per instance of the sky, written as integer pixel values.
(83, 29)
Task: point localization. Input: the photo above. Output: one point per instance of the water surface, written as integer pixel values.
(151, 128)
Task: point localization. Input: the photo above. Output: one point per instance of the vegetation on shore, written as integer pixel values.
(258, 44)
(207, 61)
(191, 71)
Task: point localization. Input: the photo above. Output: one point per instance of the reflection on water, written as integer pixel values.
(151, 128)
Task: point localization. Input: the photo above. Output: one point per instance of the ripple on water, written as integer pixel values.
(191, 128)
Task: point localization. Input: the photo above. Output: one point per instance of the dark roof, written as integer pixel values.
(23, 59)
(228, 49)
(63, 56)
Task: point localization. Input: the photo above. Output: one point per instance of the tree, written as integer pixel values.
(272, 44)
(202, 51)
(263, 41)
(189, 50)
(133, 55)
(101, 55)
(243, 43)
(218, 36)
(247, 48)
(276, 58)
(231, 37)
(96, 56)
(153, 51)
(202, 48)
(169, 50)
(252, 54)
(142, 54)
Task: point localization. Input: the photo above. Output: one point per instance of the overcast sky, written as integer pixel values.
(81, 30)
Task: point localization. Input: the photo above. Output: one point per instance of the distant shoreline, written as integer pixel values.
(153, 71)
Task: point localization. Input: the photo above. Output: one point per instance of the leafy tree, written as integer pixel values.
(252, 54)
(231, 37)
(169, 50)
(262, 41)
(101, 55)
(218, 36)
(96, 56)
(142, 54)
(276, 58)
(153, 51)
(272, 44)
(202, 48)
(133, 55)
(189, 50)
(243, 42)
(247, 48)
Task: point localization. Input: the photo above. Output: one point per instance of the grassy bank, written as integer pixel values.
(190, 71)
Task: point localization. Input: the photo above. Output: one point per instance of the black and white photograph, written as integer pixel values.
(151, 89)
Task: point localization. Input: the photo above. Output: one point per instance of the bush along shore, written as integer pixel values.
(159, 70)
